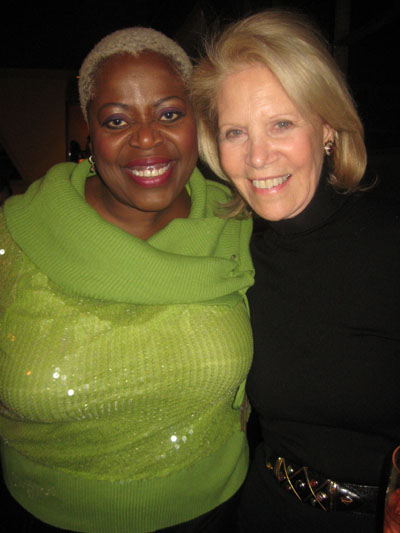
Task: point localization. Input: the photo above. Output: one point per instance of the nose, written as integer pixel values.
(260, 152)
(145, 136)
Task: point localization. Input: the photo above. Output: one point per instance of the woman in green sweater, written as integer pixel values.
(124, 336)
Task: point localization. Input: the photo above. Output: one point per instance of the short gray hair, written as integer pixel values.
(131, 41)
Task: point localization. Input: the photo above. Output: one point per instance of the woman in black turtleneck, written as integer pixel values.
(273, 106)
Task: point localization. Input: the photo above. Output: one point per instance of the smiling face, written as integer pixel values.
(272, 154)
(143, 139)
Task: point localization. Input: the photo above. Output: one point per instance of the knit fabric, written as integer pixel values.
(196, 259)
(128, 400)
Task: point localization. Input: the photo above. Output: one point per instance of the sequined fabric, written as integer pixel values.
(112, 390)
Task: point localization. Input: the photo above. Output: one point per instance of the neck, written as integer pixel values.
(141, 224)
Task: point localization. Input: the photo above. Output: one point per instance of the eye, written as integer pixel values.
(283, 124)
(231, 134)
(171, 115)
(115, 123)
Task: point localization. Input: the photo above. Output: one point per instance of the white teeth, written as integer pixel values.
(150, 172)
(269, 183)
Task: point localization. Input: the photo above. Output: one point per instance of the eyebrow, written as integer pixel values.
(174, 97)
(155, 105)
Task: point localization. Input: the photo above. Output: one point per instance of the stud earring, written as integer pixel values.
(328, 147)
(92, 163)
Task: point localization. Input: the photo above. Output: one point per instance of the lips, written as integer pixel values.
(150, 172)
(270, 183)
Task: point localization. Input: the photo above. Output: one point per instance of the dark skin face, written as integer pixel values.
(144, 143)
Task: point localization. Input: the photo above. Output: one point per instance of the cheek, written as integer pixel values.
(105, 149)
(305, 153)
(232, 163)
(225, 155)
(232, 160)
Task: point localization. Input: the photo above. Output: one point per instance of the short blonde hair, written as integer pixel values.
(132, 41)
(294, 51)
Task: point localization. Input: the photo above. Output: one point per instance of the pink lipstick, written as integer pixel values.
(150, 172)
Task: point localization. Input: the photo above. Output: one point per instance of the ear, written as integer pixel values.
(328, 132)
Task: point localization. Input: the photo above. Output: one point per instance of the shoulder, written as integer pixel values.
(60, 171)
(369, 235)
(54, 177)
(62, 168)
(9, 250)
(67, 171)
(379, 214)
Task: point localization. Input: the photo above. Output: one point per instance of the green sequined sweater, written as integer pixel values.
(121, 359)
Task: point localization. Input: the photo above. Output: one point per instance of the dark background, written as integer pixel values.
(41, 35)
(363, 36)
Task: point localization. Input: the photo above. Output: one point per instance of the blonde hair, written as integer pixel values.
(296, 54)
(131, 41)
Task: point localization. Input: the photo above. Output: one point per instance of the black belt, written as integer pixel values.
(317, 490)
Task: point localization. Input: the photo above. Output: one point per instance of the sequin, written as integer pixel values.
(128, 395)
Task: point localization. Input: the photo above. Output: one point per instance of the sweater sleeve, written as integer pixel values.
(11, 258)
(6, 244)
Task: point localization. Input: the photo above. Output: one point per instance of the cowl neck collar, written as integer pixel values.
(201, 258)
(324, 204)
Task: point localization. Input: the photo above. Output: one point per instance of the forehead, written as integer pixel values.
(253, 86)
(149, 70)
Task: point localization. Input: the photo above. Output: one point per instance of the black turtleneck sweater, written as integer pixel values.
(325, 380)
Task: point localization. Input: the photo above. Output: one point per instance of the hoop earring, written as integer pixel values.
(328, 147)
(92, 163)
